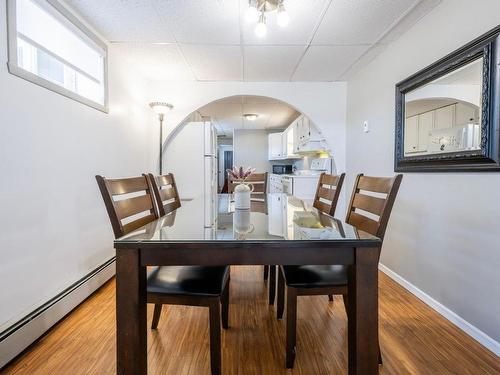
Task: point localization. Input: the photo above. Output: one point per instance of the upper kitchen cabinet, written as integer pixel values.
(300, 137)
(275, 146)
(309, 139)
(289, 142)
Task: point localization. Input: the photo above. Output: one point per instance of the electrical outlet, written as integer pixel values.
(366, 128)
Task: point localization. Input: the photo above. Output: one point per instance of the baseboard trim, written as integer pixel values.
(461, 323)
(15, 339)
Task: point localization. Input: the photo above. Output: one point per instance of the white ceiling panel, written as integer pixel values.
(124, 20)
(153, 61)
(304, 16)
(270, 63)
(210, 40)
(360, 21)
(215, 63)
(202, 21)
(327, 63)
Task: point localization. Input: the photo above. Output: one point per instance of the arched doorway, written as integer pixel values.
(242, 126)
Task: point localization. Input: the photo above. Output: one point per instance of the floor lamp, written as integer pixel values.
(161, 109)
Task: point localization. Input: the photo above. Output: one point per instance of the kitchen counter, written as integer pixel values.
(297, 175)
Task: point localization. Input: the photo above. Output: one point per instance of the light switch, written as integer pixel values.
(366, 128)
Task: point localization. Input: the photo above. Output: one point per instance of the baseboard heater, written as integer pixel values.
(15, 339)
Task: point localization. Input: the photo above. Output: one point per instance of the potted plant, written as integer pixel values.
(243, 189)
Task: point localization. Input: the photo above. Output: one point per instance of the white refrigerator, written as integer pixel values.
(191, 156)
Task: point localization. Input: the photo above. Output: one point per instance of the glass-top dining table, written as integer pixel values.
(278, 229)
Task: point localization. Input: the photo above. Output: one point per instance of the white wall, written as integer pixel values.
(324, 103)
(250, 149)
(444, 235)
(54, 227)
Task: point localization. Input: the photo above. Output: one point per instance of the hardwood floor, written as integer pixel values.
(414, 339)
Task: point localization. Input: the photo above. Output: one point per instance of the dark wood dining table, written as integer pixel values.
(279, 229)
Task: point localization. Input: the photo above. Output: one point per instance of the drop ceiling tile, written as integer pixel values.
(327, 63)
(270, 63)
(124, 20)
(201, 21)
(360, 21)
(215, 63)
(304, 16)
(154, 61)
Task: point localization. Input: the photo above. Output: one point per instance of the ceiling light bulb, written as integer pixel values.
(250, 116)
(261, 28)
(252, 13)
(283, 16)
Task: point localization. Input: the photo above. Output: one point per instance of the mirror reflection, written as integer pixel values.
(444, 115)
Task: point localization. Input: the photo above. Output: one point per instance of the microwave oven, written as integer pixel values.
(282, 169)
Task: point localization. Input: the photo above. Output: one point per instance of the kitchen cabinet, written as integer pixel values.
(296, 135)
(300, 136)
(309, 138)
(289, 142)
(275, 183)
(275, 215)
(425, 124)
(275, 147)
(444, 117)
(411, 134)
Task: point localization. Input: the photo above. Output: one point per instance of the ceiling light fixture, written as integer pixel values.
(252, 13)
(266, 6)
(250, 116)
(261, 28)
(283, 17)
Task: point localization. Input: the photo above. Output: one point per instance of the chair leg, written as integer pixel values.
(266, 272)
(281, 294)
(291, 326)
(330, 298)
(344, 298)
(272, 284)
(225, 306)
(156, 315)
(215, 340)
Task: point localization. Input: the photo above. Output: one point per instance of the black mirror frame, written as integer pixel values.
(487, 158)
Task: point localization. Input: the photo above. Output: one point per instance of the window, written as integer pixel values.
(50, 47)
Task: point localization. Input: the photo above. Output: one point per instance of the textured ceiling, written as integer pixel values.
(227, 114)
(210, 40)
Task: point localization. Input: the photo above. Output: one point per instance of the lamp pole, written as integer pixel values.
(161, 116)
(161, 108)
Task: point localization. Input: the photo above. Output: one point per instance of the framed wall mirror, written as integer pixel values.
(447, 115)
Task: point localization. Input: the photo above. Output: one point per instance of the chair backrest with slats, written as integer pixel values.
(166, 194)
(378, 203)
(121, 211)
(258, 180)
(327, 193)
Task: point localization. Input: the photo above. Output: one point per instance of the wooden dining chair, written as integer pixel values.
(325, 200)
(258, 180)
(367, 212)
(165, 192)
(328, 192)
(172, 285)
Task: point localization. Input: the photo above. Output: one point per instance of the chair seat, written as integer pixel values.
(315, 276)
(188, 280)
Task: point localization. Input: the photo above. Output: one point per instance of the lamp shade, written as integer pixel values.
(161, 108)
